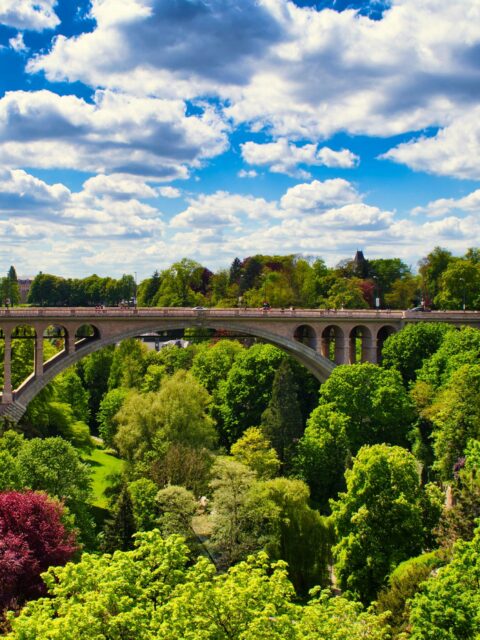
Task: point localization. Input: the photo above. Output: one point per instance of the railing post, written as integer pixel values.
(7, 396)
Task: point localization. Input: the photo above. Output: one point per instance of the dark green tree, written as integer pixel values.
(120, 529)
(282, 420)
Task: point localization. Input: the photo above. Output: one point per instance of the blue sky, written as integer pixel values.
(136, 132)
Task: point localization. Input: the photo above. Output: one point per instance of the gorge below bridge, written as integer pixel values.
(319, 339)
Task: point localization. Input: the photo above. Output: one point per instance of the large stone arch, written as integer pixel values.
(317, 364)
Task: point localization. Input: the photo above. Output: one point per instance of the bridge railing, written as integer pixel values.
(173, 312)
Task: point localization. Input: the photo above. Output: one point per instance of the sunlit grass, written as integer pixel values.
(103, 464)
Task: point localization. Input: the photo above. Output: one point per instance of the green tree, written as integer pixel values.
(180, 284)
(176, 508)
(345, 294)
(128, 365)
(457, 348)
(431, 269)
(387, 271)
(151, 592)
(460, 520)
(403, 583)
(459, 285)
(404, 293)
(374, 400)
(282, 420)
(143, 493)
(245, 393)
(109, 407)
(69, 389)
(323, 453)
(177, 414)
(300, 535)
(11, 290)
(408, 349)
(212, 363)
(253, 449)
(378, 520)
(118, 532)
(448, 604)
(455, 414)
(94, 371)
(241, 524)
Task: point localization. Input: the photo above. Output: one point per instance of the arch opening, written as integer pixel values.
(306, 335)
(361, 345)
(85, 334)
(333, 344)
(24, 355)
(383, 333)
(55, 339)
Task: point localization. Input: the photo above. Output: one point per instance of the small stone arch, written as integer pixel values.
(86, 333)
(333, 344)
(307, 335)
(23, 346)
(382, 334)
(361, 345)
(57, 335)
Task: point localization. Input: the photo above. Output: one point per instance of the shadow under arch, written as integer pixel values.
(317, 364)
(384, 332)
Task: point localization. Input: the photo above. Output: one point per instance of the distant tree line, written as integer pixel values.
(53, 291)
(443, 281)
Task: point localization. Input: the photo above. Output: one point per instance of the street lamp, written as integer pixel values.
(462, 280)
(376, 292)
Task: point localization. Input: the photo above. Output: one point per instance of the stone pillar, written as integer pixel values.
(39, 354)
(7, 396)
(369, 349)
(325, 347)
(352, 351)
(342, 350)
(70, 342)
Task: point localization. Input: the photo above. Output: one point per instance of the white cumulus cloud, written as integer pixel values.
(34, 15)
(285, 157)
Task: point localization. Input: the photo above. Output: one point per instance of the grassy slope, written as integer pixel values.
(102, 464)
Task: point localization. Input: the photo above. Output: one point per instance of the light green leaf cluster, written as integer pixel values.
(152, 593)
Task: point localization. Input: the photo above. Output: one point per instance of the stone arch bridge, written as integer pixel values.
(320, 339)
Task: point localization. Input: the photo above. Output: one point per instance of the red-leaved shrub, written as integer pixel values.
(32, 538)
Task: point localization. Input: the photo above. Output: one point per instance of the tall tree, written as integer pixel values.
(282, 420)
(12, 290)
(378, 520)
(431, 269)
(323, 453)
(120, 529)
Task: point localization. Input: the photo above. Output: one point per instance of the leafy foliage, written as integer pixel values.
(33, 537)
(378, 520)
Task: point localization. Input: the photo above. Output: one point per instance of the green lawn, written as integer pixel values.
(102, 464)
